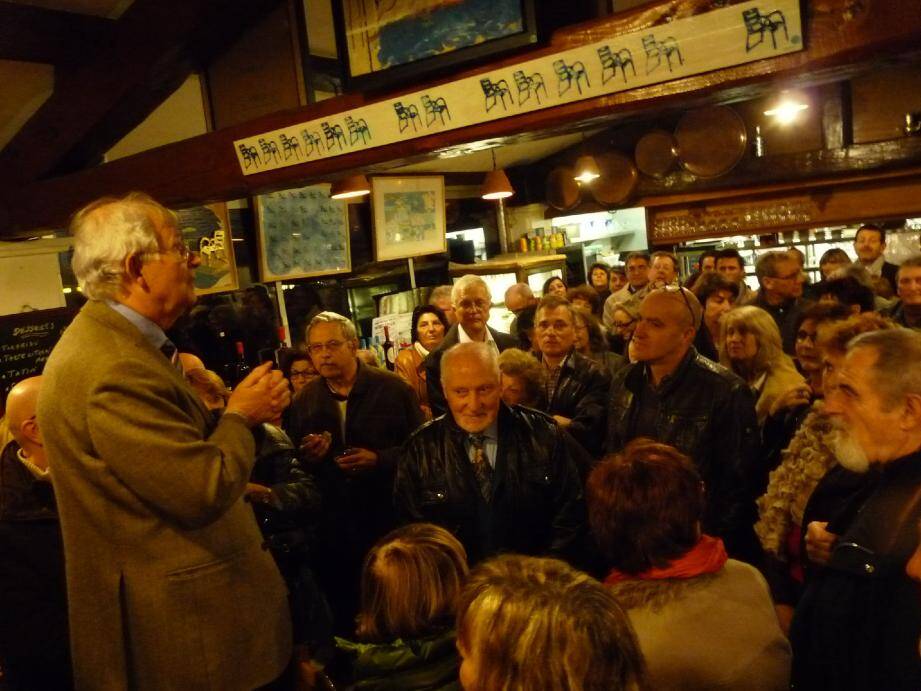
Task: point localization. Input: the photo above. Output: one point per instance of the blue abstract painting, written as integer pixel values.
(384, 34)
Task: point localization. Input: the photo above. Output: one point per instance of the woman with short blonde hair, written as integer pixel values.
(528, 623)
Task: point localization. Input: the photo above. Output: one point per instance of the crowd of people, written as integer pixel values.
(643, 486)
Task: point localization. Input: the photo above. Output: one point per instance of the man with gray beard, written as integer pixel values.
(858, 622)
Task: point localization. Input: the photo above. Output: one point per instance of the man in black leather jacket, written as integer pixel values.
(528, 499)
(675, 396)
(577, 388)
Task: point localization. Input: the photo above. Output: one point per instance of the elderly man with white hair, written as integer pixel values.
(858, 623)
(471, 300)
(500, 478)
(168, 585)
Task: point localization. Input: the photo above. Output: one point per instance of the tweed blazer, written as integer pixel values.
(168, 586)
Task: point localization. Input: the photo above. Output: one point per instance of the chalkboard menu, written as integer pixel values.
(26, 341)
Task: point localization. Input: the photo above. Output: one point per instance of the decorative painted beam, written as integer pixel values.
(841, 38)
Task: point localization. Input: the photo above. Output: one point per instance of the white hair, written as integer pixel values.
(464, 283)
(107, 232)
(484, 352)
(347, 328)
(897, 370)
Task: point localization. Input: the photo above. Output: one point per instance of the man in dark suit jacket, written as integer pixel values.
(870, 243)
(168, 585)
(350, 424)
(472, 300)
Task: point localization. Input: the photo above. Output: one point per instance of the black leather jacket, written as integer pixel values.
(582, 396)
(708, 413)
(537, 506)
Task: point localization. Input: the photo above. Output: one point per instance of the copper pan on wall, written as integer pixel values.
(711, 141)
(618, 179)
(656, 153)
(562, 189)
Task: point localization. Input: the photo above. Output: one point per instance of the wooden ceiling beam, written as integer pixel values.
(205, 168)
(157, 44)
(34, 34)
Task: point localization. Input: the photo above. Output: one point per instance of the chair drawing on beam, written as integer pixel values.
(567, 75)
(529, 84)
(757, 24)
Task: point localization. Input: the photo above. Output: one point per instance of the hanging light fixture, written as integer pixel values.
(352, 186)
(586, 167)
(787, 107)
(496, 185)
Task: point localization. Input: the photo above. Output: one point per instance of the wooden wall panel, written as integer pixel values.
(880, 101)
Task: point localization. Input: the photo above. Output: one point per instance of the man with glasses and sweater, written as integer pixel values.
(675, 396)
(781, 280)
(349, 424)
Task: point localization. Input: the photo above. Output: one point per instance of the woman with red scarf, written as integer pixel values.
(703, 621)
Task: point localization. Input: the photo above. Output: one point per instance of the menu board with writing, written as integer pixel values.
(26, 341)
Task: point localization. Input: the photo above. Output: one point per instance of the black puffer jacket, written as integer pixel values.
(708, 413)
(537, 505)
(582, 396)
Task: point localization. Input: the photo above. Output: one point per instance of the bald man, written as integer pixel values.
(34, 650)
(674, 395)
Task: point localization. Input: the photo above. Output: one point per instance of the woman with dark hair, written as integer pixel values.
(410, 588)
(429, 326)
(585, 297)
(554, 286)
(716, 295)
(593, 344)
(297, 367)
(599, 278)
(703, 621)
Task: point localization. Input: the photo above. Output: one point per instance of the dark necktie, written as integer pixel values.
(171, 352)
(481, 468)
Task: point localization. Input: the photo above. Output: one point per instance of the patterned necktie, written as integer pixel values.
(481, 468)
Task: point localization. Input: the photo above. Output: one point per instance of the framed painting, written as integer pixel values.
(302, 233)
(389, 41)
(409, 216)
(206, 230)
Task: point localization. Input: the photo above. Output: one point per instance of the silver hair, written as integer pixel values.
(484, 352)
(439, 292)
(109, 231)
(347, 328)
(466, 282)
(897, 370)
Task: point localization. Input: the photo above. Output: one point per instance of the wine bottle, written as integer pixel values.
(390, 353)
(240, 367)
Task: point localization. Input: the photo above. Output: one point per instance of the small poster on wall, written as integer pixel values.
(409, 216)
(206, 230)
(302, 233)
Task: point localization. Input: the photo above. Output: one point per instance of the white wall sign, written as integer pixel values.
(722, 38)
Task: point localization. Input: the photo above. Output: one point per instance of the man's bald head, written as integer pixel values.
(21, 406)
(518, 297)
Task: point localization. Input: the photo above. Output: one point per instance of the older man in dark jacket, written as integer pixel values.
(675, 396)
(350, 424)
(858, 623)
(499, 478)
(576, 390)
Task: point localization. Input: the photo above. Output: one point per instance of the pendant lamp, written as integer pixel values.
(496, 185)
(586, 167)
(352, 186)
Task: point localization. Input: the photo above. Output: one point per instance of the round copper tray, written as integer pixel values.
(711, 141)
(562, 189)
(656, 153)
(618, 178)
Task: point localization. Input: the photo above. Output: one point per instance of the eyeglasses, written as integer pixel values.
(302, 374)
(180, 249)
(791, 277)
(472, 305)
(679, 289)
(331, 346)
